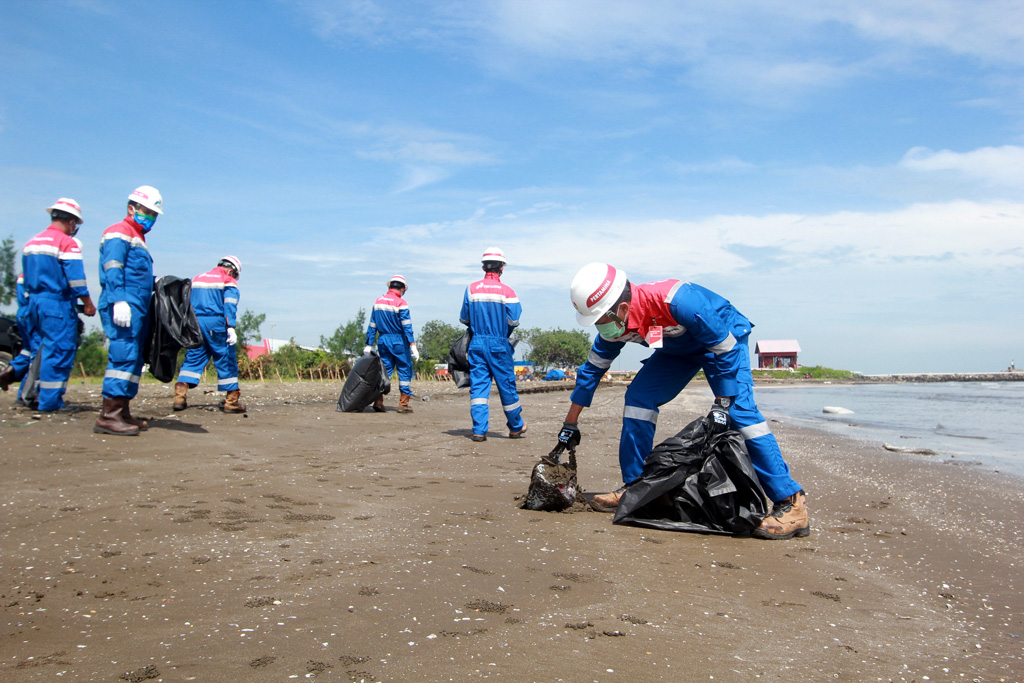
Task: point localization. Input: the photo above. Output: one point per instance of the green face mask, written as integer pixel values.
(611, 330)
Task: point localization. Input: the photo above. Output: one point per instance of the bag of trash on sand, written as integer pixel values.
(694, 483)
(458, 360)
(553, 485)
(364, 383)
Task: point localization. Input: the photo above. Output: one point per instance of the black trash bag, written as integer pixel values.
(553, 485)
(458, 360)
(173, 326)
(693, 483)
(364, 383)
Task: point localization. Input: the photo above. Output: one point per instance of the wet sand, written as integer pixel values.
(301, 543)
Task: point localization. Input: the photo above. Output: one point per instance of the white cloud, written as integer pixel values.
(1000, 165)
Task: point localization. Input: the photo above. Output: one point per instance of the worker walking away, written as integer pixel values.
(54, 277)
(215, 302)
(690, 328)
(391, 329)
(491, 310)
(126, 276)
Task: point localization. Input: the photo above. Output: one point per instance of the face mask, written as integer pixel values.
(611, 331)
(146, 222)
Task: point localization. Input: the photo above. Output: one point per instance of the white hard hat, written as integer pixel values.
(67, 205)
(397, 278)
(493, 254)
(594, 290)
(148, 197)
(234, 261)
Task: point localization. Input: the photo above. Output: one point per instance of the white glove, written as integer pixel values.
(414, 351)
(122, 314)
(232, 336)
(367, 350)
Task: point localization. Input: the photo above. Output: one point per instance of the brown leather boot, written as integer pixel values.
(788, 518)
(403, 404)
(232, 404)
(111, 420)
(7, 377)
(180, 393)
(140, 422)
(378, 404)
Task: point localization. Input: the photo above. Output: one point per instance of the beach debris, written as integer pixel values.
(553, 485)
(903, 449)
(836, 410)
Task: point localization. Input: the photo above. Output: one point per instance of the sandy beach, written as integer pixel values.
(296, 542)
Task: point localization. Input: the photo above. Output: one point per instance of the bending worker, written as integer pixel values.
(215, 302)
(126, 275)
(691, 328)
(20, 364)
(54, 276)
(391, 329)
(491, 311)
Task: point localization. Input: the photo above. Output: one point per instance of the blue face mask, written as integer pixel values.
(146, 222)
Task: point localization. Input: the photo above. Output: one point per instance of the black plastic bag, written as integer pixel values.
(458, 360)
(553, 485)
(364, 383)
(692, 483)
(172, 327)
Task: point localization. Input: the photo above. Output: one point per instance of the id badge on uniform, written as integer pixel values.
(654, 337)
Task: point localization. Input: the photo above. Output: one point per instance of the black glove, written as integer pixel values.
(570, 436)
(718, 418)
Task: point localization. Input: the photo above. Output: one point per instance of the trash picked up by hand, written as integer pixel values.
(553, 485)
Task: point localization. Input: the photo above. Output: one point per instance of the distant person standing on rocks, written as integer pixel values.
(126, 276)
(491, 311)
(391, 329)
(690, 328)
(215, 302)
(54, 277)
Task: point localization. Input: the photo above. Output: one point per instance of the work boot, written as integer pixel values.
(232, 404)
(403, 404)
(607, 502)
(140, 422)
(518, 435)
(7, 377)
(479, 437)
(111, 419)
(788, 518)
(378, 404)
(180, 393)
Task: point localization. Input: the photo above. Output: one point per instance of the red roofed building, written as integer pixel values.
(778, 353)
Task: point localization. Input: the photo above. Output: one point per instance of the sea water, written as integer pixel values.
(973, 421)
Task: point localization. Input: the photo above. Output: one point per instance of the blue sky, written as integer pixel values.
(849, 174)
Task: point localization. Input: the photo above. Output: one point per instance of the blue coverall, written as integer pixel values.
(390, 320)
(491, 310)
(215, 302)
(126, 274)
(54, 277)
(23, 360)
(702, 330)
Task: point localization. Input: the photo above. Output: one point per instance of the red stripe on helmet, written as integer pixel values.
(606, 285)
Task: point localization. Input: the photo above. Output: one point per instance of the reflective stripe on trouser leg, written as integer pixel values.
(765, 454)
(504, 371)
(660, 380)
(57, 328)
(394, 352)
(124, 356)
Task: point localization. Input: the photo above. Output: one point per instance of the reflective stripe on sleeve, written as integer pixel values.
(77, 283)
(229, 300)
(754, 431)
(634, 413)
(112, 264)
(723, 346)
(597, 361)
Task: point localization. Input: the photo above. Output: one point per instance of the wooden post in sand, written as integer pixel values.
(82, 368)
